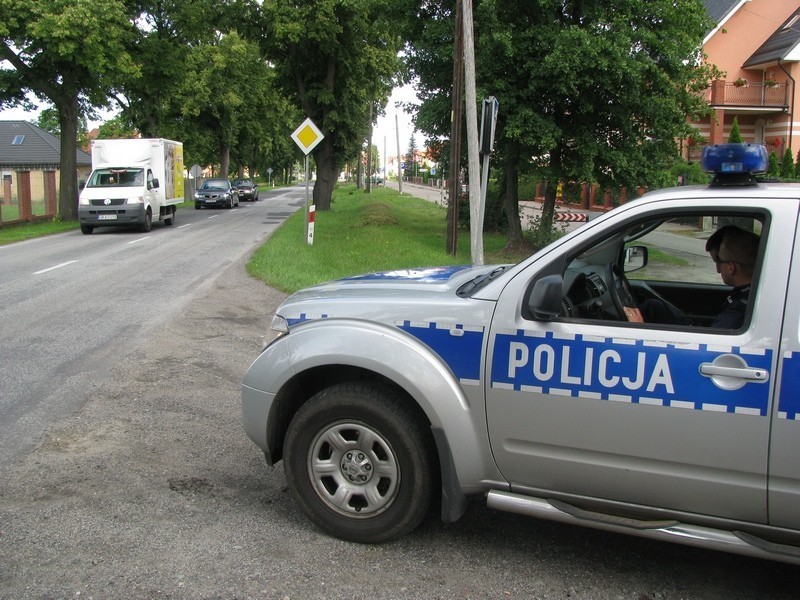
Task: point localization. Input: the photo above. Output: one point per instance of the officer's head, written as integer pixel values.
(736, 256)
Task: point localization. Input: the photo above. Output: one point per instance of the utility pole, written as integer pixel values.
(471, 99)
(369, 153)
(399, 161)
(454, 187)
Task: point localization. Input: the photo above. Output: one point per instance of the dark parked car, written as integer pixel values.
(216, 192)
(246, 188)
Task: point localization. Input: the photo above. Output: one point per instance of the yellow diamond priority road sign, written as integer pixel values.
(307, 136)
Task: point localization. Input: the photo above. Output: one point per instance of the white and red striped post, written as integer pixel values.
(312, 211)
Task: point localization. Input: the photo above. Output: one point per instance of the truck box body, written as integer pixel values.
(133, 182)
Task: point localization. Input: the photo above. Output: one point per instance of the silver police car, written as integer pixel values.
(639, 375)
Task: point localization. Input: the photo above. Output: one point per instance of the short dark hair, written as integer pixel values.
(715, 239)
(741, 246)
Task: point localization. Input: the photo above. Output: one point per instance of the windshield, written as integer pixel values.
(215, 184)
(116, 178)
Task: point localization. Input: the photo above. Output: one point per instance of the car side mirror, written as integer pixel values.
(635, 258)
(544, 302)
(155, 183)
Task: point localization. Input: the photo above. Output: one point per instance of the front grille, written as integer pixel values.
(113, 202)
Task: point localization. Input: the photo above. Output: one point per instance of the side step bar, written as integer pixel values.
(670, 531)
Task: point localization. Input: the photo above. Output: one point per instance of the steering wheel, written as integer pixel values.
(621, 294)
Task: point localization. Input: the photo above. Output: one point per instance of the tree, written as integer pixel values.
(736, 136)
(338, 59)
(412, 157)
(49, 121)
(579, 108)
(787, 165)
(117, 128)
(71, 53)
(216, 97)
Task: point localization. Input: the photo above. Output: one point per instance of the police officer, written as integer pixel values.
(735, 258)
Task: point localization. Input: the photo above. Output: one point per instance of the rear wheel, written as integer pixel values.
(359, 460)
(171, 218)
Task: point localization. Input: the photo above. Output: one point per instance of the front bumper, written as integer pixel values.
(217, 201)
(112, 216)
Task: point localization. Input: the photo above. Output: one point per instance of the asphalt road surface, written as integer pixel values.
(126, 473)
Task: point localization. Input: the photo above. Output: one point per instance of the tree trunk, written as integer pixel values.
(68, 182)
(225, 158)
(549, 207)
(326, 174)
(512, 198)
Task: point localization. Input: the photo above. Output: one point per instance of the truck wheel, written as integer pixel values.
(360, 462)
(86, 229)
(171, 218)
(148, 221)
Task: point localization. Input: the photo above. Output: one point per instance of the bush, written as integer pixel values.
(787, 165)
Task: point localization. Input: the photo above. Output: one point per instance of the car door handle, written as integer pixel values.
(748, 373)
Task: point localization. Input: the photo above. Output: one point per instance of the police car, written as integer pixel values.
(546, 386)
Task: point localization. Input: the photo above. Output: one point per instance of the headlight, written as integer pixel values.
(84, 201)
(277, 329)
(135, 200)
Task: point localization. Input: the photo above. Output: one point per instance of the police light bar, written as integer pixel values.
(734, 159)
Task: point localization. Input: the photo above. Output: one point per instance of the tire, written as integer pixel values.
(170, 220)
(359, 461)
(148, 221)
(86, 229)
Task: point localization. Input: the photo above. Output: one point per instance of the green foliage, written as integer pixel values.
(339, 60)
(736, 136)
(71, 53)
(787, 165)
(25, 231)
(797, 166)
(595, 91)
(361, 233)
(773, 168)
(687, 173)
(117, 128)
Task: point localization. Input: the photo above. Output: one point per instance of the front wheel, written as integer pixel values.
(360, 461)
(147, 225)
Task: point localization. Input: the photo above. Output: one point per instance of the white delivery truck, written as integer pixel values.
(133, 182)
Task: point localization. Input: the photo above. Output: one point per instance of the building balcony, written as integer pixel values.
(749, 97)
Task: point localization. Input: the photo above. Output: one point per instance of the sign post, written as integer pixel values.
(307, 136)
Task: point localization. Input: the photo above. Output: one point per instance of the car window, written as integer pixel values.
(215, 184)
(691, 270)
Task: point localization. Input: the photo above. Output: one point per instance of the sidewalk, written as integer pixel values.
(570, 218)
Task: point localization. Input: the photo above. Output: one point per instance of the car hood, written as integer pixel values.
(408, 294)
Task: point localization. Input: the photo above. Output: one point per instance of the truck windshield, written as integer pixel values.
(116, 178)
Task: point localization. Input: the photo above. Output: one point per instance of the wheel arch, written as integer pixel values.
(389, 356)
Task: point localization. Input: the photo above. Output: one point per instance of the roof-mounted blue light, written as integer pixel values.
(734, 164)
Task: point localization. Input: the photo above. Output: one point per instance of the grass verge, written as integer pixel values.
(362, 233)
(25, 231)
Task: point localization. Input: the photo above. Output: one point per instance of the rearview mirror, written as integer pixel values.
(635, 258)
(544, 302)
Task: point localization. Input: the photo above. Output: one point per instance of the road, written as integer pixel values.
(73, 305)
(148, 487)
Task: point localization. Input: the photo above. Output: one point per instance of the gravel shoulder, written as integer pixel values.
(152, 490)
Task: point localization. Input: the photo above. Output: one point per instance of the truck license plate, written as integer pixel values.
(106, 217)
